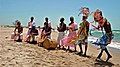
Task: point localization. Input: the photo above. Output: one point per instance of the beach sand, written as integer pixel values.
(16, 54)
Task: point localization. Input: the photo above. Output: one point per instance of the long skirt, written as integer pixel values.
(60, 37)
(66, 40)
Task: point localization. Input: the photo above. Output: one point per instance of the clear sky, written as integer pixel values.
(11, 10)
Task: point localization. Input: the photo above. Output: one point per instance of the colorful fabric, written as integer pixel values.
(84, 28)
(103, 40)
(72, 34)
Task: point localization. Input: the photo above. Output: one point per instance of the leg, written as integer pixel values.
(68, 47)
(109, 56)
(19, 37)
(75, 47)
(33, 38)
(81, 51)
(100, 54)
(58, 40)
(28, 38)
(85, 48)
(62, 44)
(16, 37)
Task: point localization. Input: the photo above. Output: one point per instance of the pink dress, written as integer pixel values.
(72, 33)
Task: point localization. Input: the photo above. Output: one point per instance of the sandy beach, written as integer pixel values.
(16, 54)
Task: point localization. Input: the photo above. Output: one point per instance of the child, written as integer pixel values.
(17, 34)
(61, 29)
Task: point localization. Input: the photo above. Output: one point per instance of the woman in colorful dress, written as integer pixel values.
(72, 34)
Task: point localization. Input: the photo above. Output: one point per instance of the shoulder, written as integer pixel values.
(49, 22)
(64, 23)
(106, 21)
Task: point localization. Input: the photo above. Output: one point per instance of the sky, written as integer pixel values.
(11, 10)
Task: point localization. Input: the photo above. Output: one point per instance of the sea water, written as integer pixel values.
(115, 42)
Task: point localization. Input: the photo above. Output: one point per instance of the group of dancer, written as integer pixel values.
(76, 36)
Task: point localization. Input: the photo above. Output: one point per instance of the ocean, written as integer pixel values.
(115, 42)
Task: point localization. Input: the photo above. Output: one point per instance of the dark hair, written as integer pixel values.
(18, 23)
(71, 18)
(32, 18)
(46, 19)
(100, 13)
(62, 19)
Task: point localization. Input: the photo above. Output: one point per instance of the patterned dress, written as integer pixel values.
(72, 33)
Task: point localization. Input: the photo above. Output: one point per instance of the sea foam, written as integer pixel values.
(113, 44)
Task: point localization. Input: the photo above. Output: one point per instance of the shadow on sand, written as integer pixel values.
(102, 63)
(82, 55)
(33, 42)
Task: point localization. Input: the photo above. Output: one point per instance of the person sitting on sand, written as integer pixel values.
(103, 24)
(72, 34)
(46, 31)
(61, 29)
(17, 34)
(83, 35)
(32, 29)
